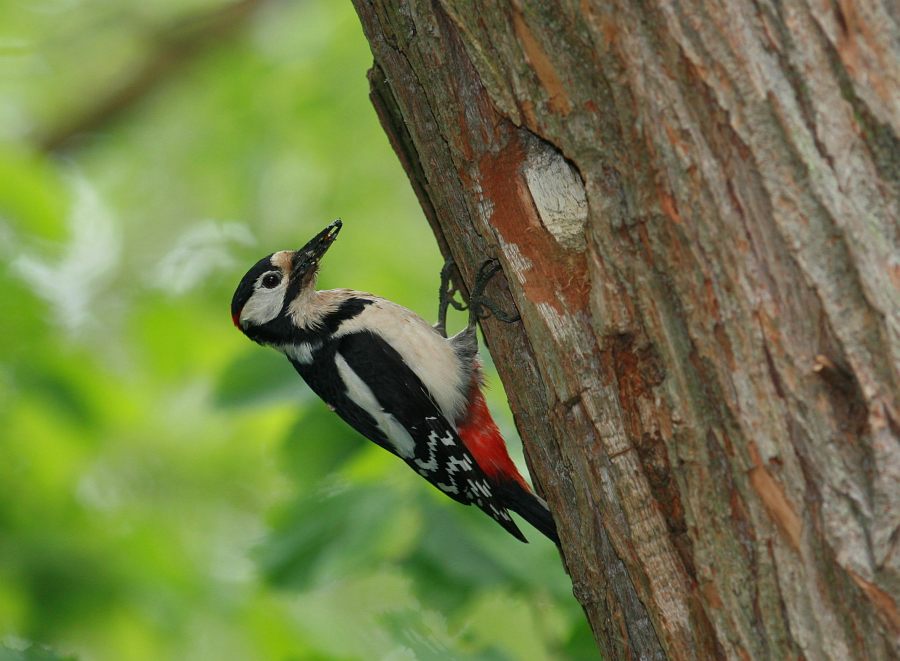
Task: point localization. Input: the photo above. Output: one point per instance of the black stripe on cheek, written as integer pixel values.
(293, 288)
(277, 331)
(281, 330)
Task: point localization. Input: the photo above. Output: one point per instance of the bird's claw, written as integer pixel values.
(478, 306)
(447, 296)
(478, 302)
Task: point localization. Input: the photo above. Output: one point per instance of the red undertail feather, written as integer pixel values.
(480, 434)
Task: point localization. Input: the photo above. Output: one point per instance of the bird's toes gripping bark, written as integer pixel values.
(479, 305)
(447, 295)
(478, 302)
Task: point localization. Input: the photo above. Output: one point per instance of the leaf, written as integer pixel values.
(319, 443)
(33, 196)
(258, 377)
(33, 652)
(329, 532)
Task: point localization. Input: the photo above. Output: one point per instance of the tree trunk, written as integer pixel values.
(695, 205)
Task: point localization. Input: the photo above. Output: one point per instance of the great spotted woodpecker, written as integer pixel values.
(391, 376)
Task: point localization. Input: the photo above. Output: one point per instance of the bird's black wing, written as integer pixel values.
(322, 377)
(438, 455)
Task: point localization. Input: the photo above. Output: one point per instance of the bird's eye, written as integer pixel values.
(271, 280)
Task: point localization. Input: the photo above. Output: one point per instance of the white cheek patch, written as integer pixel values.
(264, 305)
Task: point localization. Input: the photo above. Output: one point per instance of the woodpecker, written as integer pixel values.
(390, 375)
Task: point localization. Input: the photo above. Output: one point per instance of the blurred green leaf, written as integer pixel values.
(33, 653)
(319, 443)
(32, 197)
(258, 376)
(408, 628)
(59, 392)
(328, 532)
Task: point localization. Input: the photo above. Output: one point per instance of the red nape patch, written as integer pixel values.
(236, 319)
(480, 434)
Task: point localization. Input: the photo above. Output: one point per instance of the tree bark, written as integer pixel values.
(695, 205)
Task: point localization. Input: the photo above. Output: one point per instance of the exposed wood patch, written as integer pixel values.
(885, 603)
(557, 192)
(559, 100)
(556, 277)
(774, 499)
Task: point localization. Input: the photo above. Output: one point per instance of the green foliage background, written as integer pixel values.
(169, 490)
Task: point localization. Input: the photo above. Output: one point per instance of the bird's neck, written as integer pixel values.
(321, 312)
(309, 308)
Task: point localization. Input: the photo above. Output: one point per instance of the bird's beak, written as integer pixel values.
(307, 258)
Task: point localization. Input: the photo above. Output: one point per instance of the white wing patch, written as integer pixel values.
(361, 395)
(426, 353)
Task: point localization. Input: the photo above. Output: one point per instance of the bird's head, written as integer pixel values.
(261, 305)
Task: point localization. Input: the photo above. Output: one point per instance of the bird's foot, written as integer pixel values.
(447, 295)
(478, 303)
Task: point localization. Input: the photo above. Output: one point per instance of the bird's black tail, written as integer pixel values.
(530, 507)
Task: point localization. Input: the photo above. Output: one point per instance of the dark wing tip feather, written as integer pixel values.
(511, 527)
(529, 507)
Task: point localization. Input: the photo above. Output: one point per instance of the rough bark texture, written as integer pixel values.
(696, 208)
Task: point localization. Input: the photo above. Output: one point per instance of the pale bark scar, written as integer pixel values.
(774, 499)
(559, 101)
(882, 600)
